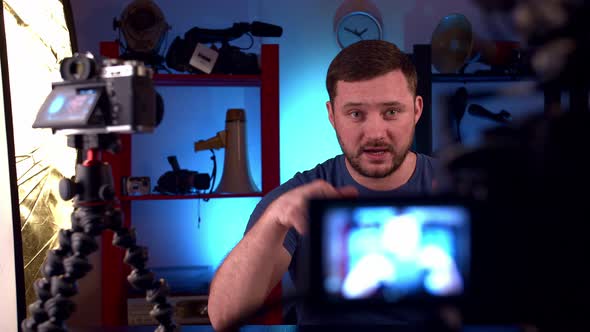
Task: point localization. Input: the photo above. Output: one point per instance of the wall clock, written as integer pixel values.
(357, 25)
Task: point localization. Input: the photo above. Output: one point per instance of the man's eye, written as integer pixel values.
(355, 114)
(391, 112)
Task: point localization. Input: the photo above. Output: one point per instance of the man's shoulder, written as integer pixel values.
(427, 157)
(428, 161)
(433, 171)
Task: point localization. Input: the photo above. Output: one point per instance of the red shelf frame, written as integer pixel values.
(114, 271)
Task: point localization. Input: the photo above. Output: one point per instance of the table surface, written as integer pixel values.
(280, 328)
(187, 328)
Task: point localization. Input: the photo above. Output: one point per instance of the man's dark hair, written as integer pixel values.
(368, 59)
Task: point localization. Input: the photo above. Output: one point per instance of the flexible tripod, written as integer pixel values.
(94, 212)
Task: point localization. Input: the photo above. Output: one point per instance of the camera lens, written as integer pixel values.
(77, 68)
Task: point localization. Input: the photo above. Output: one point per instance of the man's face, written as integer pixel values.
(374, 121)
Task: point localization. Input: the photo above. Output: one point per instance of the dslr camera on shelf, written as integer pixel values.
(115, 97)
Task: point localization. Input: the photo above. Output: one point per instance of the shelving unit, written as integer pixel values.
(421, 56)
(114, 271)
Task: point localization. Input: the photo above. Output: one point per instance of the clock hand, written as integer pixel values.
(360, 33)
(354, 32)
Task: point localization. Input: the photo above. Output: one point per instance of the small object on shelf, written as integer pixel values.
(144, 28)
(455, 46)
(136, 185)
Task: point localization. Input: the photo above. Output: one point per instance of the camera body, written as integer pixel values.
(181, 181)
(378, 251)
(232, 60)
(117, 97)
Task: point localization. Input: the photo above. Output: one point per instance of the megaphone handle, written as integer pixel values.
(215, 142)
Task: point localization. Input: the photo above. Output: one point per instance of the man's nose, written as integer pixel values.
(375, 127)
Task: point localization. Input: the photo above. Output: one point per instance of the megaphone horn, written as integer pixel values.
(236, 176)
(454, 45)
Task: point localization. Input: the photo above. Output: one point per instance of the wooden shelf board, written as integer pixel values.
(206, 80)
(153, 197)
(479, 78)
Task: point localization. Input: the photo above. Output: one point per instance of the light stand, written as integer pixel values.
(94, 211)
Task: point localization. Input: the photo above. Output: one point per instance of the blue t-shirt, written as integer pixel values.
(334, 171)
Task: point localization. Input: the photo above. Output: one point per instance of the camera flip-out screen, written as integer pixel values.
(67, 107)
(389, 250)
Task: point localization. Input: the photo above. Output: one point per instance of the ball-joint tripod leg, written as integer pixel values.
(94, 212)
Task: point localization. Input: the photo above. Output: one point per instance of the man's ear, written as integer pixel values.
(330, 112)
(418, 105)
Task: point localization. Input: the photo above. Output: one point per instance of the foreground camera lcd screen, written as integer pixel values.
(391, 251)
(67, 107)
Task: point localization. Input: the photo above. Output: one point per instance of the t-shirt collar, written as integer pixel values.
(364, 191)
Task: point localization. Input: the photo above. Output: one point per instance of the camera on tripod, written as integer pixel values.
(93, 105)
(116, 97)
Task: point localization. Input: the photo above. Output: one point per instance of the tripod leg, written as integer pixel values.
(93, 212)
(141, 278)
(61, 269)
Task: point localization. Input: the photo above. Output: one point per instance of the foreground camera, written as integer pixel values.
(117, 97)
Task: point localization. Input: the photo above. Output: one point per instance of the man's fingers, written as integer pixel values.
(348, 191)
(301, 227)
(318, 188)
(322, 189)
(298, 200)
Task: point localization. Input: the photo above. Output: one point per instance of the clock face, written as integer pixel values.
(357, 26)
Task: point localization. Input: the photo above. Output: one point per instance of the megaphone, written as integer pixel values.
(236, 176)
(454, 45)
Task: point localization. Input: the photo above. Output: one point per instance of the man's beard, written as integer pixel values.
(354, 158)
